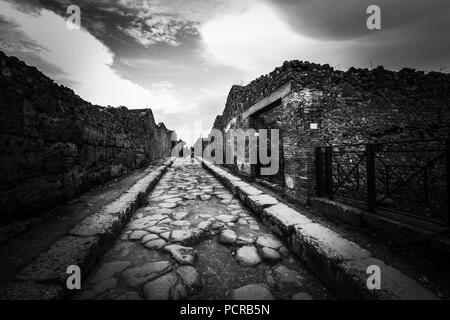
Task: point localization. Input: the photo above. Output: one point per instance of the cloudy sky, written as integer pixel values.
(181, 57)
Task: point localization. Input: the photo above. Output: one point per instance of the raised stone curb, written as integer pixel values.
(45, 278)
(338, 262)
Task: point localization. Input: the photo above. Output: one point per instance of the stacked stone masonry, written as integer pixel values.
(54, 145)
(355, 106)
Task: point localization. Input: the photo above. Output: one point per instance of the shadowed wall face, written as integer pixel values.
(54, 145)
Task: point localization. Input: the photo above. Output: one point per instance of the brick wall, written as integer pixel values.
(356, 106)
(54, 145)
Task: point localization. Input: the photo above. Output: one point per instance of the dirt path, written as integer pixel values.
(194, 240)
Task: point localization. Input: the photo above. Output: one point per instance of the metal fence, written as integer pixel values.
(408, 177)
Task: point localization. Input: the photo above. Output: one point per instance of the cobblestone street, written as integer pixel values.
(194, 240)
(216, 151)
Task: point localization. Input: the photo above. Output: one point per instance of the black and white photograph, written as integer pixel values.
(224, 153)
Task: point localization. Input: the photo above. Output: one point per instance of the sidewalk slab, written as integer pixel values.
(323, 249)
(282, 219)
(244, 192)
(260, 202)
(234, 185)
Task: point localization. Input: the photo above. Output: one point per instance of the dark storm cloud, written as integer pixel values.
(413, 32)
(121, 25)
(346, 19)
(130, 27)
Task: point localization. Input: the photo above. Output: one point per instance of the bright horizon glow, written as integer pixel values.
(257, 41)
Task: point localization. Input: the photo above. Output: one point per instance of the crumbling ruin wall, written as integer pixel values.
(356, 106)
(54, 145)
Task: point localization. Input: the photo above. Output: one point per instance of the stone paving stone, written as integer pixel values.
(248, 256)
(129, 296)
(99, 288)
(183, 255)
(149, 237)
(182, 223)
(205, 225)
(252, 292)
(166, 235)
(165, 221)
(285, 279)
(227, 237)
(302, 296)
(138, 235)
(134, 277)
(190, 278)
(145, 222)
(173, 200)
(226, 218)
(181, 236)
(109, 270)
(246, 239)
(268, 241)
(160, 289)
(155, 244)
(168, 205)
(180, 215)
(158, 229)
(269, 254)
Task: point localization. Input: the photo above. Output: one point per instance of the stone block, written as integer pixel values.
(281, 219)
(323, 249)
(260, 202)
(99, 224)
(244, 192)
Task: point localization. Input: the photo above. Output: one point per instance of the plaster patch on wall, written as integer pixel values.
(289, 181)
(306, 96)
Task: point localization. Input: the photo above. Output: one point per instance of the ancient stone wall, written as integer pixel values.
(326, 106)
(54, 145)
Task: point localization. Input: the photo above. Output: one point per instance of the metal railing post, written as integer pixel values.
(319, 171)
(370, 168)
(447, 169)
(329, 172)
